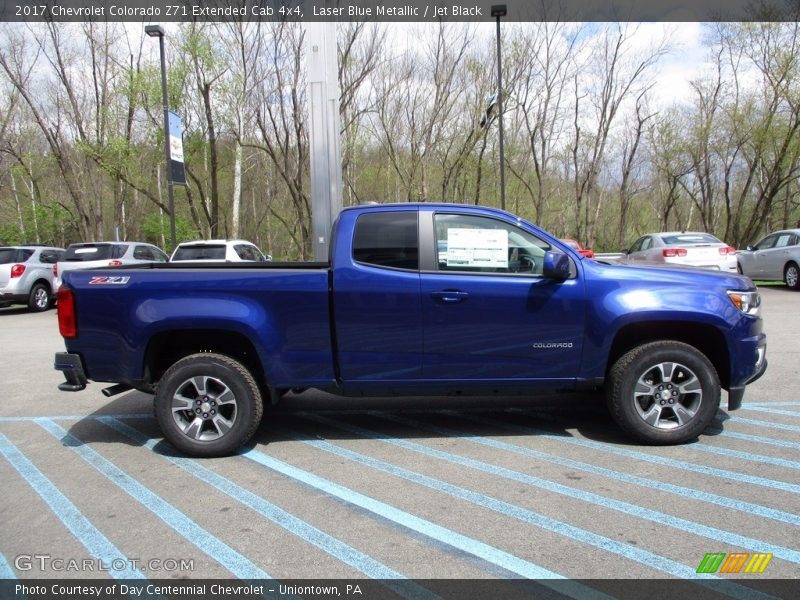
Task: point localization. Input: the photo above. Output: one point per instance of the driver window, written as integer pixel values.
(483, 245)
(767, 242)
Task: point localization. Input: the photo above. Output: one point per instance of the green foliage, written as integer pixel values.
(156, 227)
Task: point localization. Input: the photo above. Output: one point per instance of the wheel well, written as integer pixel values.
(707, 339)
(44, 282)
(168, 347)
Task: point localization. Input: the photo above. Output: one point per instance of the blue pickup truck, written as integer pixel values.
(418, 299)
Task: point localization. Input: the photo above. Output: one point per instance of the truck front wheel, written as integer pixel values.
(663, 392)
(208, 405)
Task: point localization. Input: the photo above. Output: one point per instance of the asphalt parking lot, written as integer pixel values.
(395, 488)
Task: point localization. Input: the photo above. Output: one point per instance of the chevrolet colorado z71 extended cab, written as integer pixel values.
(418, 299)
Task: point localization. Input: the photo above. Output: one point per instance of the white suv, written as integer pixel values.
(218, 251)
(92, 255)
(26, 275)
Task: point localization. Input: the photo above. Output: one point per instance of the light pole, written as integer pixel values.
(500, 10)
(158, 31)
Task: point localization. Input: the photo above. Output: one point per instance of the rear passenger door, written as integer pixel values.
(376, 299)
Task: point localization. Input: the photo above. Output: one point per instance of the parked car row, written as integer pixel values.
(776, 257)
(31, 274)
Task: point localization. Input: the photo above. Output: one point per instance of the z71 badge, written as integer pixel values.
(105, 280)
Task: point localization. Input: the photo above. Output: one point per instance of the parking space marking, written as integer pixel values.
(643, 456)
(767, 424)
(87, 534)
(336, 548)
(6, 572)
(683, 525)
(655, 561)
(757, 458)
(239, 565)
(756, 439)
(448, 537)
(747, 507)
(771, 404)
(73, 417)
(772, 411)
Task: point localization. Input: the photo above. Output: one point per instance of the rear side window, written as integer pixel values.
(49, 257)
(387, 239)
(148, 253)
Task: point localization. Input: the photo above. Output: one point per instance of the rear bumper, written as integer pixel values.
(71, 365)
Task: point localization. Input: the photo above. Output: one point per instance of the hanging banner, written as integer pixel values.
(177, 171)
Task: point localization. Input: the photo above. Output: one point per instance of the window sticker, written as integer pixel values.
(477, 248)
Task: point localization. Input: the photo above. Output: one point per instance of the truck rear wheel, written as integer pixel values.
(663, 392)
(208, 405)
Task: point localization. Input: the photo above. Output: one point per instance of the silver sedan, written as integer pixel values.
(774, 258)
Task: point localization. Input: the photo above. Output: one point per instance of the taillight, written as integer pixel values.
(673, 252)
(67, 319)
(17, 270)
(727, 250)
(115, 263)
(55, 270)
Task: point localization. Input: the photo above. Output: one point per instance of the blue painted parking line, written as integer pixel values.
(343, 552)
(771, 411)
(70, 516)
(6, 572)
(643, 456)
(767, 424)
(678, 523)
(772, 404)
(239, 565)
(627, 551)
(443, 535)
(756, 439)
(749, 456)
(74, 417)
(747, 507)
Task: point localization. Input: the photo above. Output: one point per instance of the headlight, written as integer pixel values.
(747, 302)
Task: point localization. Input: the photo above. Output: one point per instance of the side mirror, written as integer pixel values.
(556, 265)
(751, 248)
(625, 251)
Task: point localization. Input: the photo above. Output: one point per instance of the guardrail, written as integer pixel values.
(608, 256)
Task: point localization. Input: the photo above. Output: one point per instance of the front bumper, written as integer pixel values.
(736, 393)
(71, 365)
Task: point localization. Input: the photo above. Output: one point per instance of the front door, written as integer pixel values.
(487, 311)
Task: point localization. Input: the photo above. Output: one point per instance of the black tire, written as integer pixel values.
(663, 392)
(791, 276)
(223, 405)
(40, 298)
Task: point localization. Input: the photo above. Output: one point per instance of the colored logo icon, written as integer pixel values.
(736, 562)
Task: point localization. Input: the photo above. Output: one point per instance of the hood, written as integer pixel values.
(660, 276)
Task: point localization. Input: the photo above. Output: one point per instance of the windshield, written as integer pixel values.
(200, 252)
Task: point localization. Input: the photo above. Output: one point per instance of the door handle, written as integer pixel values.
(450, 296)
